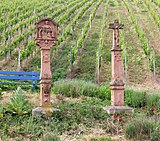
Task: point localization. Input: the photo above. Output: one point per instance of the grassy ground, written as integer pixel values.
(81, 115)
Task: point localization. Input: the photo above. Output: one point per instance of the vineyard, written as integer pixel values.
(81, 70)
(83, 50)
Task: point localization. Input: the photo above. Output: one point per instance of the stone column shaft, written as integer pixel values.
(46, 77)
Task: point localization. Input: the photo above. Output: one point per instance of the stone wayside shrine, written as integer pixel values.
(117, 83)
(46, 37)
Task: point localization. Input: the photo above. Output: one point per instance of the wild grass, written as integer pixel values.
(143, 129)
(76, 88)
(79, 118)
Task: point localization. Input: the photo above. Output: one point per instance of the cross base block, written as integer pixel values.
(118, 109)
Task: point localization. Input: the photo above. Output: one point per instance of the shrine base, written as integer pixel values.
(40, 111)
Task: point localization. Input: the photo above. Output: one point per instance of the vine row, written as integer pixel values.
(141, 36)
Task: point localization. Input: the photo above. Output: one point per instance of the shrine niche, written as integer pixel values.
(46, 33)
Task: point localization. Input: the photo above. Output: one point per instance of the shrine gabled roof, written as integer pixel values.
(47, 19)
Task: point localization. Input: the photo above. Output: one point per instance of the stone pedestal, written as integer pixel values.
(118, 109)
(117, 84)
(117, 95)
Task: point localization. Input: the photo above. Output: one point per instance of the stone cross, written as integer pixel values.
(46, 37)
(117, 84)
(116, 26)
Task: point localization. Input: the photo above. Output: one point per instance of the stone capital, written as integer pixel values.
(116, 83)
(116, 48)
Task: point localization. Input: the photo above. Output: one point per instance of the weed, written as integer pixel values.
(18, 103)
(50, 137)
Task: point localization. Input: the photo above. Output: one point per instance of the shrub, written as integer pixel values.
(153, 101)
(155, 135)
(135, 98)
(139, 129)
(18, 103)
(76, 88)
(139, 99)
(104, 92)
(144, 129)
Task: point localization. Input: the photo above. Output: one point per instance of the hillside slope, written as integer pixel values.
(80, 24)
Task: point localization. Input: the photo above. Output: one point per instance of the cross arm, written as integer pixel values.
(116, 25)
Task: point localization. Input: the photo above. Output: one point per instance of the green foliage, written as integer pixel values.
(140, 99)
(1, 95)
(25, 126)
(141, 35)
(50, 137)
(100, 139)
(87, 112)
(112, 4)
(1, 107)
(153, 101)
(1, 111)
(140, 128)
(76, 88)
(155, 135)
(18, 103)
(81, 38)
(69, 28)
(72, 10)
(157, 63)
(135, 98)
(153, 13)
(143, 129)
(157, 2)
(36, 63)
(28, 50)
(58, 74)
(101, 40)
